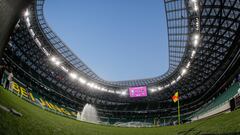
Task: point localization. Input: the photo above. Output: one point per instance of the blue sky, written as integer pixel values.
(117, 39)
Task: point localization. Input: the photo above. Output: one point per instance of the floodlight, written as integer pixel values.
(28, 22)
(188, 65)
(123, 93)
(179, 77)
(57, 63)
(83, 81)
(193, 53)
(26, 13)
(184, 71)
(64, 69)
(196, 36)
(173, 82)
(195, 8)
(195, 43)
(73, 75)
(160, 88)
(53, 58)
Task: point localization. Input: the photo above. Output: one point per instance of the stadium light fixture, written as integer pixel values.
(95, 86)
(196, 39)
(28, 22)
(64, 69)
(188, 64)
(26, 13)
(196, 36)
(111, 91)
(119, 92)
(195, 43)
(83, 81)
(123, 93)
(73, 75)
(53, 58)
(197, 24)
(166, 86)
(57, 63)
(32, 32)
(193, 53)
(179, 77)
(38, 42)
(173, 82)
(104, 89)
(160, 88)
(195, 7)
(45, 51)
(153, 90)
(98, 87)
(90, 84)
(184, 71)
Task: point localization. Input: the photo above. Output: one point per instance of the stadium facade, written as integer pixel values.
(204, 42)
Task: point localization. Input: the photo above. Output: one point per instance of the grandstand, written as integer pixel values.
(220, 104)
(51, 83)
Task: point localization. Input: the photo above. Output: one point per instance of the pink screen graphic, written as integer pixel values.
(138, 91)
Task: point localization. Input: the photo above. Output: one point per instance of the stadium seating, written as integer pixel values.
(219, 101)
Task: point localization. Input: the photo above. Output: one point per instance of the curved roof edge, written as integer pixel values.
(178, 31)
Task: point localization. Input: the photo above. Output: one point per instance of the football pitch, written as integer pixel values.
(36, 121)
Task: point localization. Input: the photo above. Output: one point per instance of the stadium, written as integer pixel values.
(47, 89)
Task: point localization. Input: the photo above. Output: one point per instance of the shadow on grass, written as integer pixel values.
(191, 131)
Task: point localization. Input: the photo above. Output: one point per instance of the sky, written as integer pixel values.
(118, 39)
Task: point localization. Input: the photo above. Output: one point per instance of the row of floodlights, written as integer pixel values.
(195, 5)
(195, 42)
(83, 81)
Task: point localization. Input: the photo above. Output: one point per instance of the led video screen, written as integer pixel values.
(138, 91)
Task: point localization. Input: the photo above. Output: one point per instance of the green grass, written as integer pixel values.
(36, 121)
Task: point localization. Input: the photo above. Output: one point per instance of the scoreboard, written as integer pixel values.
(138, 91)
